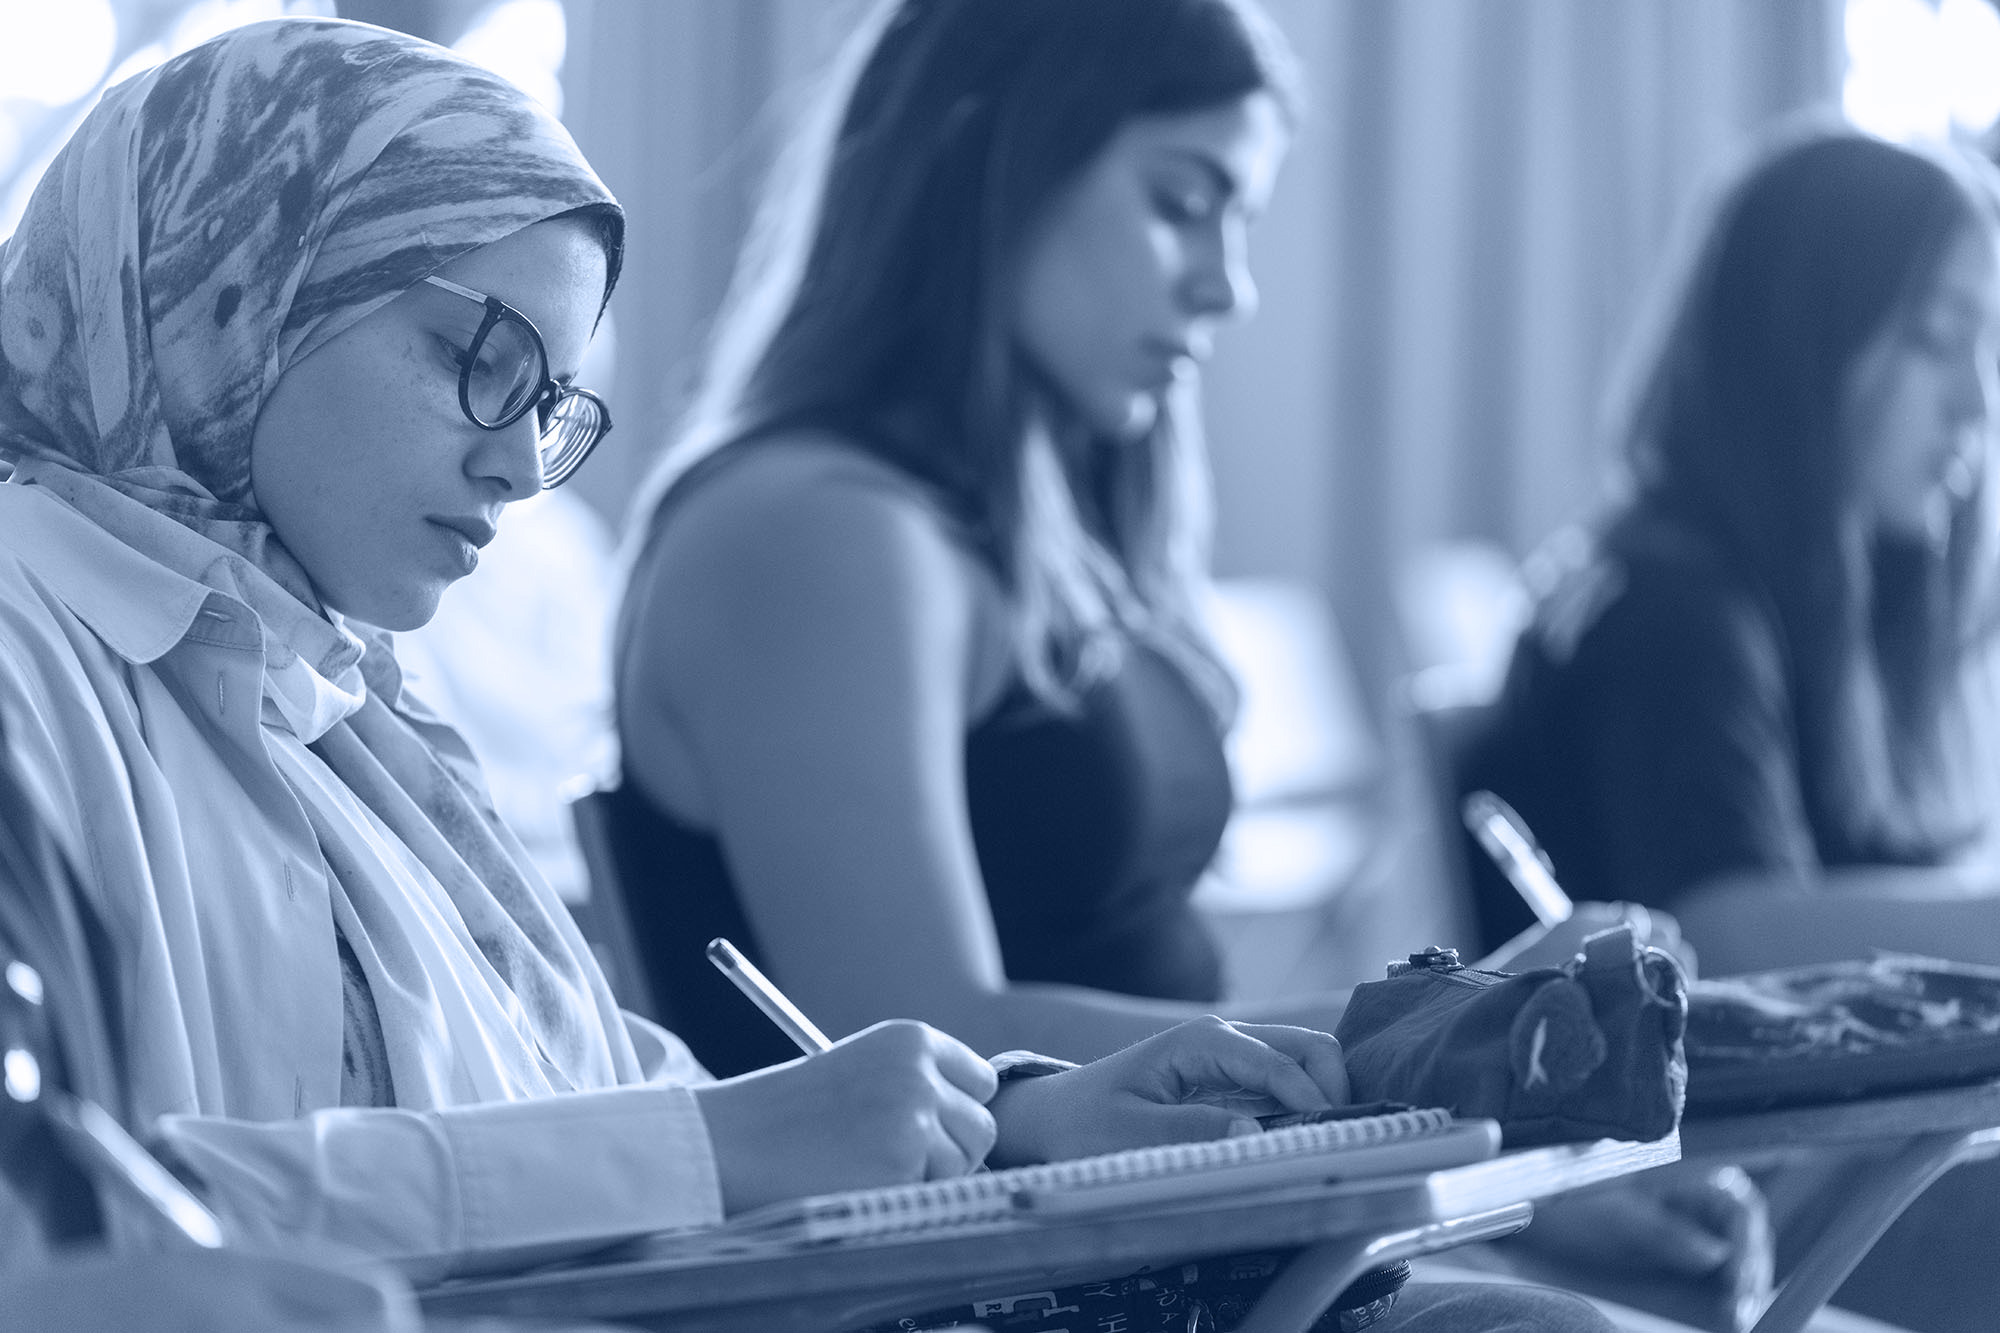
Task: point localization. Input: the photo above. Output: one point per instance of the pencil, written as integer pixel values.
(1507, 840)
(767, 997)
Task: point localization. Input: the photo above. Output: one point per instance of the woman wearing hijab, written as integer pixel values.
(285, 327)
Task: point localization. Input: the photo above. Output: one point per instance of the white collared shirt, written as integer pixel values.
(132, 698)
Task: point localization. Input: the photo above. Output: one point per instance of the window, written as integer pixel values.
(1923, 69)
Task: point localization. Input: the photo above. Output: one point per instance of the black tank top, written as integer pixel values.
(1091, 828)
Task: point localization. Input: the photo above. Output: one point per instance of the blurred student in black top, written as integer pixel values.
(1752, 693)
(915, 699)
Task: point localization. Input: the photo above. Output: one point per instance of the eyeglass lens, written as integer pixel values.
(572, 427)
(507, 370)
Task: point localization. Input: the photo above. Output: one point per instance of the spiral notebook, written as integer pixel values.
(1348, 1149)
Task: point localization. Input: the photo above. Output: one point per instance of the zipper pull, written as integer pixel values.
(1434, 959)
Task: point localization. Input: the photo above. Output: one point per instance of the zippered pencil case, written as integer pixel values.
(1588, 1050)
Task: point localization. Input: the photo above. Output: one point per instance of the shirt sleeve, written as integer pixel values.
(463, 1187)
(1687, 740)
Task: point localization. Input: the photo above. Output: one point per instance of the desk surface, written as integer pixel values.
(760, 1285)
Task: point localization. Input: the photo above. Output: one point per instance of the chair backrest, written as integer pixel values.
(604, 917)
(1461, 605)
(1453, 733)
(651, 914)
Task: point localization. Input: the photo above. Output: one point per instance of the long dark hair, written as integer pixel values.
(1737, 429)
(875, 299)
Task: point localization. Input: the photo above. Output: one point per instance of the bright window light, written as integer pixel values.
(54, 53)
(1970, 33)
(1922, 70)
(522, 41)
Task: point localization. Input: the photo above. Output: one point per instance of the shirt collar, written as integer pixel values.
(143, 603)
(136, 605)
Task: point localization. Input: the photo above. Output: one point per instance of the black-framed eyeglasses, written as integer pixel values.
(506, 374)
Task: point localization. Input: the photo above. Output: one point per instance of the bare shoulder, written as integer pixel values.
(798, 489)
(801, 578)
(810, 514)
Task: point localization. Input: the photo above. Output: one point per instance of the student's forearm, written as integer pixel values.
(435, 1189)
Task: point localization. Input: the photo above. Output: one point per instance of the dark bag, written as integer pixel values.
(1588, 1050)
(1834, 1031)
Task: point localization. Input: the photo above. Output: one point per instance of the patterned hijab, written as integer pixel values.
(217, 219)
(210, 223)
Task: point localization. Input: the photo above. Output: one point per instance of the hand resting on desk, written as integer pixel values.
(901, 1102)
(1205, 1079)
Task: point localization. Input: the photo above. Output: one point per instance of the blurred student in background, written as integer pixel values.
(1760, 692)
(1755, 693)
